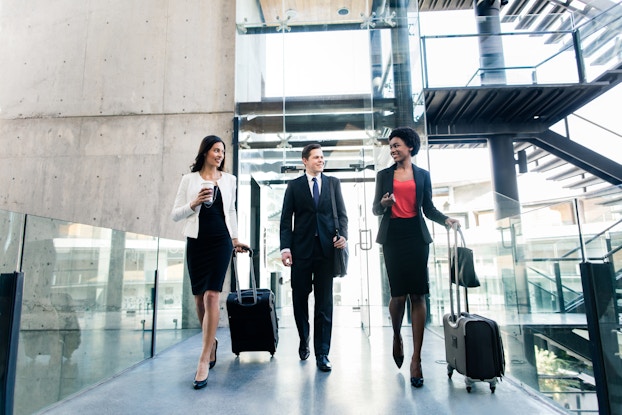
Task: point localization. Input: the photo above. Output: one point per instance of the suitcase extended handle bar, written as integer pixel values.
(452, 251)
(237, 279)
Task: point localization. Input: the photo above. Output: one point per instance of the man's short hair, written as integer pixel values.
(306, 152)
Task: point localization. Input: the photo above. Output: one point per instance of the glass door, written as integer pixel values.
(264, 191)
(306, 73)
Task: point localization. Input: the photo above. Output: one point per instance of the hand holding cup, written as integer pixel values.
(207, 188)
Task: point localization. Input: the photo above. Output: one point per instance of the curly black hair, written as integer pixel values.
(410, 138)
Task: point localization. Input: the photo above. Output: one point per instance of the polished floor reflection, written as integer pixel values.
(364, 380)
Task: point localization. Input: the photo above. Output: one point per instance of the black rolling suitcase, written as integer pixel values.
(252, 316)
(473, 344)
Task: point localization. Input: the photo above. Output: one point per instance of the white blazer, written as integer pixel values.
(189, 189)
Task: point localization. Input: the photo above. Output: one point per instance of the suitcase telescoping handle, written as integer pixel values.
(237, 279)
(452, 253)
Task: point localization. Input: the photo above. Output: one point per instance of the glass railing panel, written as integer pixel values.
(601, 218)
(176, 315)
(87, 311)
(601, 222)
(601, 42)
(536, 49)
(11, 230)
(527, 58)
(529, 269)
(547, 242)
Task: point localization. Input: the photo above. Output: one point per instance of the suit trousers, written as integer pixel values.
(314, 274)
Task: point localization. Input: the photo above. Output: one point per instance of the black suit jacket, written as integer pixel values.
(299, 217)
(384, 184)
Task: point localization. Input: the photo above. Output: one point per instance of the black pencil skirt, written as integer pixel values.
(406, 258)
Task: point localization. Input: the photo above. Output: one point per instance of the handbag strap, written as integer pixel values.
(466, 290)
(237, 279)
(461, 237)
(452, 254)
(332, 199)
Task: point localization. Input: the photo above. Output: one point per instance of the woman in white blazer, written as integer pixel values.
(211, 230)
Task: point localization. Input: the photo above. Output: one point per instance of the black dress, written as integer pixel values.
(208, 256)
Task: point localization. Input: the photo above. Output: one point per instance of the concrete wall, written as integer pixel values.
(103, 105)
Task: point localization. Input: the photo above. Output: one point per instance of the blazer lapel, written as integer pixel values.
(418, 177)
(389, 179)
(304, 187)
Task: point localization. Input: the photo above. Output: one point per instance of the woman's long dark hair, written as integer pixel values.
(206, 145)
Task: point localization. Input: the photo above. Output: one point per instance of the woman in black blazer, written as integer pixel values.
(403, 195)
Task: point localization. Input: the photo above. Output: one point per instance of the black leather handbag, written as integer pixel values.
(466, 266)
(340, 266)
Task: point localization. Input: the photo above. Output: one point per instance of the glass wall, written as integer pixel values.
(530, 269)
(11, 239)
(342, 77)
(88, 303)
(345, 78)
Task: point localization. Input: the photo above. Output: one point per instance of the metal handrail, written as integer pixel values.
(551, 279)
(593, 238)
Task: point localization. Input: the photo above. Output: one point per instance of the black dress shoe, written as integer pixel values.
(323, 363)
(303, 350)
(213, 362)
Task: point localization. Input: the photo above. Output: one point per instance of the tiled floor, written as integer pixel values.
(364, 380)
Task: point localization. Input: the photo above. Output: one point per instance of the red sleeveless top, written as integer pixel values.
(405, 199)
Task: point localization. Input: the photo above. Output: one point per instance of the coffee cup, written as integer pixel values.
(208, 185)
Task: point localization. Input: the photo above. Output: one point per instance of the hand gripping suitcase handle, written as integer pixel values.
(237, 279)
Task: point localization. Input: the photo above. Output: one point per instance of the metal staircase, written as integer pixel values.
(473, 114)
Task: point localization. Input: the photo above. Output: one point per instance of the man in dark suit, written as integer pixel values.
(308, 247)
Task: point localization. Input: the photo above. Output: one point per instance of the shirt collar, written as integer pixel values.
(310, 177)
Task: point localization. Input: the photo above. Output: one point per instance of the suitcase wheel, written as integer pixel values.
(493, 385)
(450, 371)
(469, 384)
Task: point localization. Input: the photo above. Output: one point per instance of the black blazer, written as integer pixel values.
(384, 184)
(298, 207)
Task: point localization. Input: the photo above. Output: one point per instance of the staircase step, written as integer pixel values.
(523, 145)
(612, 201)
(573, 171)
(549, 165)
(536, 154)
(588, 181)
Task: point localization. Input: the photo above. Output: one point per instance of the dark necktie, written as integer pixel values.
(316, 192)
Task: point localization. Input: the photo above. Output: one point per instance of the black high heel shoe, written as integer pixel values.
(213, 362)
(199, 384)
(397, 357)
(415, 381)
